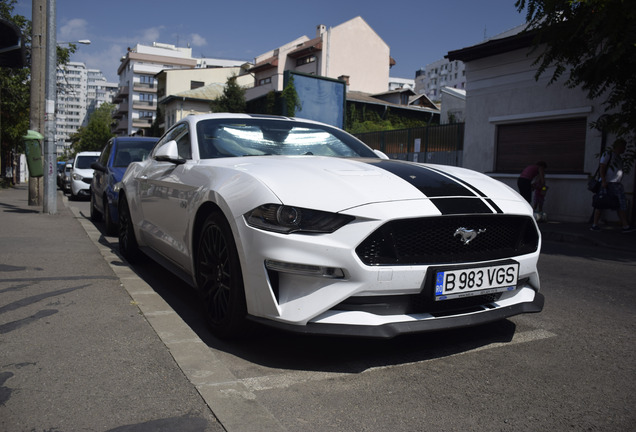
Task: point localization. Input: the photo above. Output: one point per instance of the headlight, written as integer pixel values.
(77, 177)
(288, 219)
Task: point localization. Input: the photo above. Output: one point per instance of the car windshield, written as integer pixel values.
(84, 162)
(259, 137)
(132, 151)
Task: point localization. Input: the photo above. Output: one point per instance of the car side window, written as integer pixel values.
(105, 156)
(183, 144)
(179, 134)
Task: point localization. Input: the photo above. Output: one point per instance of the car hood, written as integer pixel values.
(339, 184)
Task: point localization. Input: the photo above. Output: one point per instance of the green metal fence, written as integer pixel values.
(441, 144)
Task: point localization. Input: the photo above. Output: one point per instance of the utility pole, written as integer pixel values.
(38, 59)
(50, 154)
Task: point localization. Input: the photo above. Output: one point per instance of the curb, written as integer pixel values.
(229, 399)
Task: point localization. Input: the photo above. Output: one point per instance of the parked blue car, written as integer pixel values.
(118, 153)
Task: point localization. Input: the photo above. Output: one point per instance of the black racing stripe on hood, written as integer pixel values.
(448, 206)
(477, 191)
(430, 182)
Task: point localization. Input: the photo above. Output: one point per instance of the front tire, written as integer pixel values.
(128, 246)
(219, 278)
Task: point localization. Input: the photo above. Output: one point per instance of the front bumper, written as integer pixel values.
(392, 329)
(353, 303)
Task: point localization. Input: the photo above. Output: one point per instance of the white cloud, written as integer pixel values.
(73, 30)
(150, 35)
(106, 60)
(198, 40)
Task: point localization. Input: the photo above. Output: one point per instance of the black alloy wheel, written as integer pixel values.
(127, 242)
(219, 278)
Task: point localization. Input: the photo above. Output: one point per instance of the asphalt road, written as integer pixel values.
(570, 367)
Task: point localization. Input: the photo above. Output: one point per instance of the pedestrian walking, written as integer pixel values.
(611, 174)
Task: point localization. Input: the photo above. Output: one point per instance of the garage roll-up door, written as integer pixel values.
(560, 143)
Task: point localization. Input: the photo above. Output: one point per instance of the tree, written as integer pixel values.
(232, 100)
(291, 102)
(15, 88)
(155, 129)
(14, 96)
(97, 132)
(592, 43)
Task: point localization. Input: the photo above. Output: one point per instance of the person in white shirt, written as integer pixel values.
(611, 172)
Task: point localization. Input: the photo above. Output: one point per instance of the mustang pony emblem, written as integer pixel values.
(466, 235)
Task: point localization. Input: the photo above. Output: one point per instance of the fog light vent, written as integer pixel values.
(305, 269)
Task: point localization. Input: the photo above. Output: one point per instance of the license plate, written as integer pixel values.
(450, 284)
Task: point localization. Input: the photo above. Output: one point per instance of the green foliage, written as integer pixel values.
(592, 44)
(372, 120)
(155, 130)
(14, 94)
(15, 87)
(232, 100)
(97, 132)
(290, 99)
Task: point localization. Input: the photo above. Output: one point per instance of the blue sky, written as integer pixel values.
(417, 31)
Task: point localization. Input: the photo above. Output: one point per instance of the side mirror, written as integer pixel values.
(98, 167)
(169, 153)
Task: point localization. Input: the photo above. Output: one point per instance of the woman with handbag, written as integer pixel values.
(612, 193)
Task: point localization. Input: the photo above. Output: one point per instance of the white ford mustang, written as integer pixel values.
(301, 226)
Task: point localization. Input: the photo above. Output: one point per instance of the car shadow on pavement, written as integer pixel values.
(278, 349)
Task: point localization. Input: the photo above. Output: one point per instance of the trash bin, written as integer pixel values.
(33, 149)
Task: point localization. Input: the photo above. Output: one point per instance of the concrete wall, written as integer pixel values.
(502, 89)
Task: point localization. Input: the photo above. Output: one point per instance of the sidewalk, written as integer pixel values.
(75, 351)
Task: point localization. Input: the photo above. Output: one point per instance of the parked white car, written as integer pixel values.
(82, 174)
(299, 225)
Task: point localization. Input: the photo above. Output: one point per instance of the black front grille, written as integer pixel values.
(433, 240)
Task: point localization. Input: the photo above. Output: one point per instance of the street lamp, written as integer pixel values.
(81, 41)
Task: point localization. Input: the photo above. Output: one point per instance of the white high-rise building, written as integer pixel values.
(79, 92)
(437, 75)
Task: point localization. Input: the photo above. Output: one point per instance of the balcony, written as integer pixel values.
(144, 87)
(142, 123)
(145, 105)
(121, 128)
(122, 94)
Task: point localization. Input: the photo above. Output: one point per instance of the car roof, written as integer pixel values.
(194, 118)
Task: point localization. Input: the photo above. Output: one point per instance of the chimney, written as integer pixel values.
(320, 30)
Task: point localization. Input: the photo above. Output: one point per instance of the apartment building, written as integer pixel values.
(137, 93)
(351, 51)
(79, 92)
(431, 79)
(182, 92)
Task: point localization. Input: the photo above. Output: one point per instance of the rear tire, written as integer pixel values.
(96, 216)
(111, 228)
(219, 278)
(128, 246)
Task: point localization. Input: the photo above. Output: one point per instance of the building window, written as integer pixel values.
(305, 60)
(264, 81)
(196, 84)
